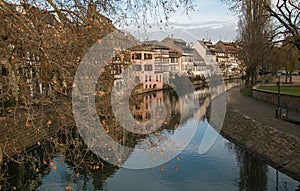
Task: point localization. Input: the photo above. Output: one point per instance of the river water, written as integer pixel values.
(225, 166)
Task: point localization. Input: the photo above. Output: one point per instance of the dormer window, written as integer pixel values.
(147, 56)
(136, 56)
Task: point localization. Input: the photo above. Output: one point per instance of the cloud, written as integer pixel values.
(213, 24)
(210, 20)
(213, 30)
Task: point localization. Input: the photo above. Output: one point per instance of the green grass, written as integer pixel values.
(292, 90)
(246, 91)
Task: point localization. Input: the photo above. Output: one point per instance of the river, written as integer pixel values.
(225, 166)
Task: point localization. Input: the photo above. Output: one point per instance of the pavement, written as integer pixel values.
(262, 111)
(295, 81)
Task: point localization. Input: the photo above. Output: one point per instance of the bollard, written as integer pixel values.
(277, 113)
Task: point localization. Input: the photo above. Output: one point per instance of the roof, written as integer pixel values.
(198, 60)
(174, 39)
(155, 45)
(227, 47)
(177, 44)
(142, 47)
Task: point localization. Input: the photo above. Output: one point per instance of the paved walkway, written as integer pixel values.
(261, 111)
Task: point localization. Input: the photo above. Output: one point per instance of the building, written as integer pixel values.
(186, 63)
(207, 50)
(143, 60)
(167, 59)
(200, 68)
(228, 58)
(161, 59)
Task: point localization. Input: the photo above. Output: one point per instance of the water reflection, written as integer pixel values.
(252, 172)
(69, 165)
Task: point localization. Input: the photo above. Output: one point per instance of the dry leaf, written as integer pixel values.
(161, 169)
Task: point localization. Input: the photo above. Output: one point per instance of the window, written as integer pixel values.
(174, 60)
(157, 78)
(149, 78)
(136, 56)
(148, 67)
(147, 56)
(137, 67)
(137, 79)
(116, 58)
(146, 78)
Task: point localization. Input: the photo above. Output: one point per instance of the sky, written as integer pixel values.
(211, 20)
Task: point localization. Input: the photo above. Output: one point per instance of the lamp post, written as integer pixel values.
(278, 110)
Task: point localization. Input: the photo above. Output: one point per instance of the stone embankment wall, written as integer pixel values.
(280, 150)
(289, 101)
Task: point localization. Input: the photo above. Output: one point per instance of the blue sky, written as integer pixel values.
(210, 20)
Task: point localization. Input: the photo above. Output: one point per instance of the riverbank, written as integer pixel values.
(250, 123)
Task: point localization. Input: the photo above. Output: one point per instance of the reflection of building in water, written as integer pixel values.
(150, 106)
(195, 104)
(178, 108)
(77, 155)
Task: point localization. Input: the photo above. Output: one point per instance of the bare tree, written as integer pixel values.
(41, 45)
(253, 40)
(286, 13)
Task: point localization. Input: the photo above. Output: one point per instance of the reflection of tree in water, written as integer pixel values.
(253, 172)
(28, 154)
(30, 145)
(25, 171)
